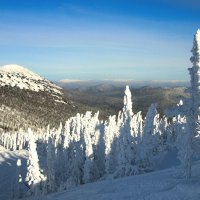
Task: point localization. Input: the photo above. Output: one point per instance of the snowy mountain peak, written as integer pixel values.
(20, 77)
(17, 69)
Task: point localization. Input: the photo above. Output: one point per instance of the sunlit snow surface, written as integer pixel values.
(160, 185)
(17, 69)
(20, 77)
(15, 75)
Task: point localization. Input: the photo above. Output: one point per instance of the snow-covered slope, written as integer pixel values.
(18, 76)
(27, 99)
(159, 185)
(17, 69)
(8, 160)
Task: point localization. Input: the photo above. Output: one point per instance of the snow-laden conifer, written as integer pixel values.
(126, 145)
(127, 109)
(111, 145)
(50, 184)
(34, 177)
(190, 109)
(194, 109)
(98, 146)
(88, 168)
(149, 138)
(76, 150)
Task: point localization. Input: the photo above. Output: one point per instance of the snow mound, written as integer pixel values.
(17, 69)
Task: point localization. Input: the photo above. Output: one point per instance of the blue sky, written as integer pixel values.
(105, 39)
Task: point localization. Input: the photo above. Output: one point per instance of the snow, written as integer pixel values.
(34, 176)
(60, 101)
(160, 185)
(17, 69)
(8, 167)
(127, 103)
(168, 146)
(195, 59)
(17, 76)
(198, 37)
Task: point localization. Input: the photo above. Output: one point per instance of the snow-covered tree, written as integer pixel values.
(50, 184)
(126, 145)
(88, 169)
(149, 138)
(194, 109)
(76, 151)
(127, 109)
(195, 75)
(164, 133)
(109, 140)
(191, 110)
(98, 146)
(34, 177)
(91, 138)
(137, 124)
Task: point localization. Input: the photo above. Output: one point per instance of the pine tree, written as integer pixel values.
(50, 184)
(76, 151)
(88, 169)
(109, 140)
(137, 124)
(127, 151)
(98, 146)
(149, 138)
(194, 110)
(191, 110)
(34, 177)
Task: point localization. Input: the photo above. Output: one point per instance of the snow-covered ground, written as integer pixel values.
(14, 69)
(159, 185)
(8, 160)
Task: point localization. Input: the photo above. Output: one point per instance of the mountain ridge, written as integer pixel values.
(17, 76)
(15, 68)
(35, 100)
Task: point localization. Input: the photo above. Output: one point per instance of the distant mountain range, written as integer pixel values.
(109, 98)
(29, 100)
(73, 83)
